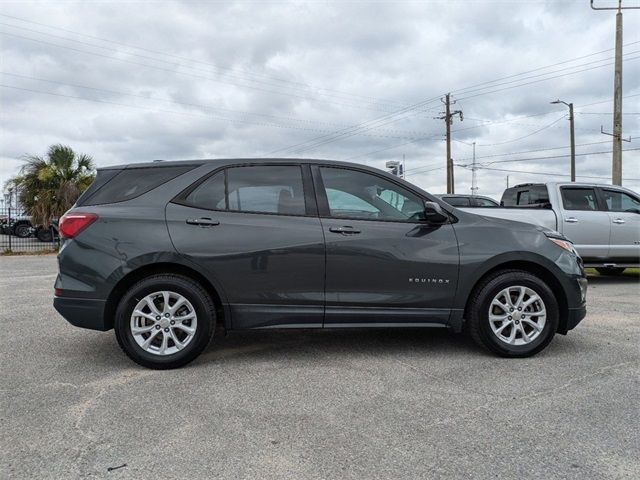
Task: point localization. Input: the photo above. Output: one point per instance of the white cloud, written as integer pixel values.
(302, 69)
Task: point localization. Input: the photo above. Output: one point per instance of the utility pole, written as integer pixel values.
(474, 184)
(572, 135)
(448, 120)
(616, 162)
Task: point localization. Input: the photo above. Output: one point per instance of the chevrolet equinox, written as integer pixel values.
(167, 253)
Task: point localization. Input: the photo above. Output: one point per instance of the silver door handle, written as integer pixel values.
(618, 220)
(571, 220)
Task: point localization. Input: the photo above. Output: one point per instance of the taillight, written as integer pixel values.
(73, 223)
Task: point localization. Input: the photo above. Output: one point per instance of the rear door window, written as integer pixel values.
(210, 194)
(579, 198)
(266, 189)
(133, 182)
(276, 189)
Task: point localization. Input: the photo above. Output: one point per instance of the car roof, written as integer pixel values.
(225, 161)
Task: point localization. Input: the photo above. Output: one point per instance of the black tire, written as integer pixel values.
(610, 270)
(193, 292)
(22, 230)
(478, 313)
(44, 235)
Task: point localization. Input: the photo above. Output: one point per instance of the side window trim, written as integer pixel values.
(180, 199)
(323, 202)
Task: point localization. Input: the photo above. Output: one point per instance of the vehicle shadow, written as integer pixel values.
(626, 278)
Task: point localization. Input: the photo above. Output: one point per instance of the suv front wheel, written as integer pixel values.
(165, 321)
(513, 313)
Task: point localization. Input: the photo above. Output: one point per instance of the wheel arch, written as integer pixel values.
(222, 314)
(536, 269)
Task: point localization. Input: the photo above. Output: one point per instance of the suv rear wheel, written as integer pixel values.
(513, 313)
(165, 321)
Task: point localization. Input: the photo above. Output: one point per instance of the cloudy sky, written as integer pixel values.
(349, 80)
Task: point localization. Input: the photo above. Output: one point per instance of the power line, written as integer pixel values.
(526, 172)
(211, 107)
(340, 137)
(301, 86)
(108, 102)
(531, 159)
(279, 79)
(525, 136)
(533, 151)
(188, 74)
(544, 79)
(460, 91)
(543, 74)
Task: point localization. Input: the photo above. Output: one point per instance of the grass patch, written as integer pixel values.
(11, 253)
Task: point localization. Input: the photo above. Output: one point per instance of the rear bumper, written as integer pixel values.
(82, 312)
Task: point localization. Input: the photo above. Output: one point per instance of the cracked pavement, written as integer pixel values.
(317, 404)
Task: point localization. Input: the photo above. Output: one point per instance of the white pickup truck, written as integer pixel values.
(603, 221)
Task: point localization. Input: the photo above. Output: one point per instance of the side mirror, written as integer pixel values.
(434, 214)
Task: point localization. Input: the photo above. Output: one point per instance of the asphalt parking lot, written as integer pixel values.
(325, 404)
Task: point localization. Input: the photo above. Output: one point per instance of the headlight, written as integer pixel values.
(565, 244)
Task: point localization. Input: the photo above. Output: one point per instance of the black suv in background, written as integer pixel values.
(166, 252)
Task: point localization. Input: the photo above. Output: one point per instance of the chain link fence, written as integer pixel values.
(19, 235)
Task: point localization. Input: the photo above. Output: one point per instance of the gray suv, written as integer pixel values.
(167, 253)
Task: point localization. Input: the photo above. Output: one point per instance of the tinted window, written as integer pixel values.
(579, 199)
(484, 202)
(528, 195)
(509, 198)
(266, 189)
(102, 177)
(620, 201)
(353, 194)
(209, 194)
(457, 201)
(133, 182)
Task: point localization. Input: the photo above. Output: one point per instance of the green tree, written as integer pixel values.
(49, 186)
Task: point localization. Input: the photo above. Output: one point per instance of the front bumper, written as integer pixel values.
(573, 318)
(82, 312)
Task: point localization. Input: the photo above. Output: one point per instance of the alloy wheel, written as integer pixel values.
(517, 315)
(163, 323)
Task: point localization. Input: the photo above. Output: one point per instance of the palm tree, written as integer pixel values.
(50, 186)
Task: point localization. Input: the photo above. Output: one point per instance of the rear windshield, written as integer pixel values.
(525, 195)
(130, 183)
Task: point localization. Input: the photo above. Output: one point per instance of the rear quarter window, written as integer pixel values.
(133, 182)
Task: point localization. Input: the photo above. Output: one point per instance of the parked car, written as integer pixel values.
(603, 221)
(167, 252)
(20, 226)
(471, 201)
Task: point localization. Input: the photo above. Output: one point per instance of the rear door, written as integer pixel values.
(585, 222)
(623, 210)
(383, 264)
(255, 231)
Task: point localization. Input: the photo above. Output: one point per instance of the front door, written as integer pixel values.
(624, 213)
(384, 265)
(251, 230)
